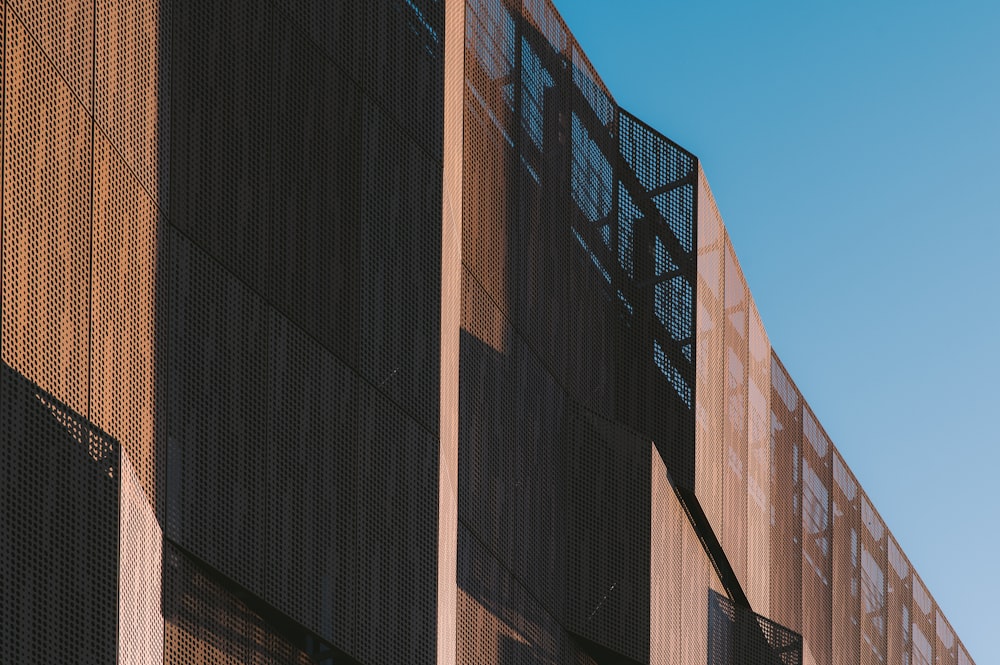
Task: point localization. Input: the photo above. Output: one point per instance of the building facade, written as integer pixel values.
(377, 332)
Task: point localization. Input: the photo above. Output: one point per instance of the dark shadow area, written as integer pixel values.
(59, 507)
(205, 611)
(737, 635)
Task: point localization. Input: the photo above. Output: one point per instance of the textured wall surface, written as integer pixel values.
(824, 563)
(329, 337)
(221, 258)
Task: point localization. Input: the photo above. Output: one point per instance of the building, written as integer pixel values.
(376, 332)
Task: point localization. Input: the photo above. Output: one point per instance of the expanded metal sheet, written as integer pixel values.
(316, 194)
(846, 564)
(500, 620)
(400, 267)
(220, 64)
(397, 535)
(140, 576)
(608, 518)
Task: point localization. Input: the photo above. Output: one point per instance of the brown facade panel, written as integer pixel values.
(140, 574)
(847, 602)
(64, 29)
(710, 360)
(499, 620)
(132, 86)
(46, 222)
(817, 540)
(786, 499)
(607, 549)
(129, 305)
(735, 432)
(757, 582)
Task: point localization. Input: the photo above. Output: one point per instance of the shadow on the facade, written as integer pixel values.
(59, 485)
(737, 635)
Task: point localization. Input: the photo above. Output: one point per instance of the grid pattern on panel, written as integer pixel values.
(128, 357)
(500, 620)
(668, 635)
(400, 266)
(487, 458)
(737, 635)
(221, 57)
(608, 518)
(312, 476)
(140, 577)
(786, 494)
(46, 221)
(757, 581)
(65, 31)
(710, 362)
(210, 621)
(872, 610)
(132, 84)
(656, 235)
(488, 218)
(315, 194)
(846, 510)
(735, 430)
(394, 49)
(899, 595)
(397, 535)
(59, 488)
(512, 453)
(817, 540)
(217, 406)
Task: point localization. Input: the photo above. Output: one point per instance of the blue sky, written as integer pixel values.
(854, 151)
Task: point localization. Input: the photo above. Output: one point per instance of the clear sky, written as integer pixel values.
(854, 151)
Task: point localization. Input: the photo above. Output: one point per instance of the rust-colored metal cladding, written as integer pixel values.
(377, 332)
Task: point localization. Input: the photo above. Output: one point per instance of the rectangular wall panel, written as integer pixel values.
(46, 221)
(129, 309)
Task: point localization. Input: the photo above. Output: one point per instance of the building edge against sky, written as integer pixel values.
(370, 333)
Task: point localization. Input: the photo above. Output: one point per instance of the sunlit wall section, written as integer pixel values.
(816, 539)
(735, 432)
(681, 578)
(710, 365)
(758, 469)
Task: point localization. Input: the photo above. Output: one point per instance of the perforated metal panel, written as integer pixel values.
(46, 225)
(312, 476)
(59, 508)
(129, 307)
(217, 421)
(64, 29)
(140, 576)
(132, 85)
(221, 58)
